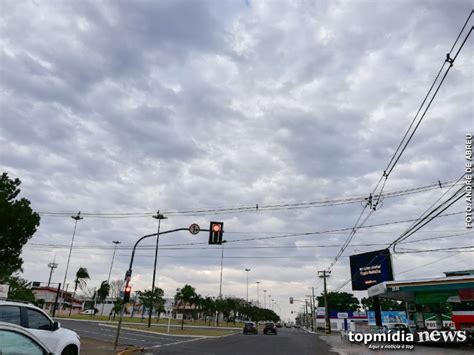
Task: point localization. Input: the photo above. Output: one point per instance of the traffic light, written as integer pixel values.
(291, 300)
(126, 293)
(216, 229)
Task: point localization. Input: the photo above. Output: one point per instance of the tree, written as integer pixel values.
(185, 296)
(81, 276)
(18, 223)
(385, 304)
(340, 301)
(102, 294)
(20, 290)
(153, 301)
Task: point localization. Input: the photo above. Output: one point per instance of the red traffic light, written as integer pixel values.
(216, 228)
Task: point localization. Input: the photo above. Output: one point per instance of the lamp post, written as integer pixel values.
(265, 299)
(222, 265)
(269, 303)
(116, 242)
(159, 217)
(258, 294)
(52, 266)
(247, 270)
(76, 219)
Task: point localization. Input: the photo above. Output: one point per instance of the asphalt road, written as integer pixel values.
(288, 341)
(103, 332)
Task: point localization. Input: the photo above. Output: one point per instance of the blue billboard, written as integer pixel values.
(389, 317)
(370, 268)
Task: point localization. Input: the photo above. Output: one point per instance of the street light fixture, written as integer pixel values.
(159, 217)
(116, 242)
(265, 299)
(247, 270)
(222, 265)
(76, 219)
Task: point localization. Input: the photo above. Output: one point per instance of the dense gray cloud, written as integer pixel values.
(120, 106)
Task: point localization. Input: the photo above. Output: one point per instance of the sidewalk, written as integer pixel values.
(91, 346)
(341, 347)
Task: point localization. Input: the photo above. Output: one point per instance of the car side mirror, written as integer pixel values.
(56, 326)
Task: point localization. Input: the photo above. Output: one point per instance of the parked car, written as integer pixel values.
(250, 327)
(90, 311)
(278, 325)
(270, 328)
(60, 340)
(15, 339)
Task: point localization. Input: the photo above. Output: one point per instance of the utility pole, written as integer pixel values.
(324, 275)
(247, 270)
(265, 299)
(222, 266)
(52, 266)
(76, 219)
(258, 294)
(159, 217)
(313, 325)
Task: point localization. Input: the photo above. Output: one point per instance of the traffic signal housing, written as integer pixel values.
(291, 300)
(216, 230)
(126, 293)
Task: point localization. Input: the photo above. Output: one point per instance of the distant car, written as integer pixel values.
(90, 311)
(62, 341)
(278, 325)
(15, 339)
(287, 325)
(270, 328)
(297, 326)
(250, 327)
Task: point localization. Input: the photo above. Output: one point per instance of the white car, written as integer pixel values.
(61, 341)
(18, 340)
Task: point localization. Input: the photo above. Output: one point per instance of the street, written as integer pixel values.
(287, 341)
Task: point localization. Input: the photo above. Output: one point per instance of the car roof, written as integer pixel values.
(22, 304)
(19, 329)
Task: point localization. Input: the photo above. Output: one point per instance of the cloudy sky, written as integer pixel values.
(118, 109)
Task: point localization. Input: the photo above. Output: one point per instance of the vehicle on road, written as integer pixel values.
(15, 339)
(62, 341)
(297, 326)
(278, 325)
(90, 311)
(270, 328)
(250, 327)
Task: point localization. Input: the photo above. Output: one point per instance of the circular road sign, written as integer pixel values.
(194, 229)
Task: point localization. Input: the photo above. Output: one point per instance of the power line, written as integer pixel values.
(405, 141)
(261, 207)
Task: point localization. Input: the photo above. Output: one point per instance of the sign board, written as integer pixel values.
(369, 269)
(342, 315)
(389, 317)
(321, 311)
(179, 316)
(194, 229)
(4, 290)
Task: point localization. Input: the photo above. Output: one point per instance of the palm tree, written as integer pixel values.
(103, 293)
(81, 276)
(185, 296)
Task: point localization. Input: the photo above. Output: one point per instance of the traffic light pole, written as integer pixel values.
(128, 274)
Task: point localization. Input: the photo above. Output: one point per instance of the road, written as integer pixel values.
(288, 341)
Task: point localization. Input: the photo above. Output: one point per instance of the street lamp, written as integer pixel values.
(258, 294)
(264, 299)
(76, 219)
(116, 242)
(52, 266)
(159, 217)
(247, 270)
(269, 304)
(222, 265)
